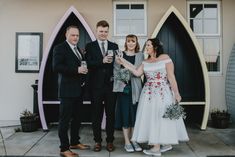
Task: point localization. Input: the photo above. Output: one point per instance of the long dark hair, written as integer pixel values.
(157, 46)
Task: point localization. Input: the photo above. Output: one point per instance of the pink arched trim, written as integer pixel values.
(45, 57)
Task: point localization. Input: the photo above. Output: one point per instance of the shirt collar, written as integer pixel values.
(71, 45)
(100, 41)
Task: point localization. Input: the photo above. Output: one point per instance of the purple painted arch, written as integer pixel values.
(55, 32)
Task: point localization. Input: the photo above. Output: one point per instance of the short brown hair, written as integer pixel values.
(102, 23)
(71, 26)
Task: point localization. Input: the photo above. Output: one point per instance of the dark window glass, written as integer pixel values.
(195, 9)
(191, 25)
(137, 6)
(210, 5)
(122, 6)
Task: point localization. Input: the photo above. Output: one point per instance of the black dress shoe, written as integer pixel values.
(97, 147)
(110, 147)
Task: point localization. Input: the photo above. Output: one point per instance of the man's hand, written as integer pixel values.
(82, 70)
(107, 59)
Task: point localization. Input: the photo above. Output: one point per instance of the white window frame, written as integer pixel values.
(115, 3)
(215, 35)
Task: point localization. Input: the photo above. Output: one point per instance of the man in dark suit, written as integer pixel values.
(100, 67)
(67, 63)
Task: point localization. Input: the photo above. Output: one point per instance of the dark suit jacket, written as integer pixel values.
(66, 64)
(100, 74)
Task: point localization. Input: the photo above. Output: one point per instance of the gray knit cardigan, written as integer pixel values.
(136, 85)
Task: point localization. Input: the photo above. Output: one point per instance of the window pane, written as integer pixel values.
(122, 26)
(122, 6)
(210, 11)
(122, 14)
(137, 27)
(196, 26)
(210, 26)
(137, 6)
(136, 14)
(196, 11)
(212, 53)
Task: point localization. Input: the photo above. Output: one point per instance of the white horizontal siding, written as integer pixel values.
(230, 84)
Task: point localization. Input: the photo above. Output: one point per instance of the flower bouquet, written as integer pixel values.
(124, 75)
(174, 112)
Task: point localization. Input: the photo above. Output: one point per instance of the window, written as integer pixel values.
(130, 18)
(204, 20)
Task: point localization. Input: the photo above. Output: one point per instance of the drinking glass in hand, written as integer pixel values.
(84, 64)
(119, 53)
(110, 55)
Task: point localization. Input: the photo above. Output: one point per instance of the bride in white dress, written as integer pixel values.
(157, 94)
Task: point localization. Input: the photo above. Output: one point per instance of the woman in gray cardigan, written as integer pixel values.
(128, 93)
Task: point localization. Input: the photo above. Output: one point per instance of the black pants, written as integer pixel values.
(69, 112)
(103, 99)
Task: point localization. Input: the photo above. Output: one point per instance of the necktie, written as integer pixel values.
(102, 48)
(77, 53)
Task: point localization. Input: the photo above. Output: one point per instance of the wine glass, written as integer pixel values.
(119, 53)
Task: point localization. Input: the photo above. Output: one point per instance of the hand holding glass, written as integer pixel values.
(119, 53)
(84, 64)
(110, 56)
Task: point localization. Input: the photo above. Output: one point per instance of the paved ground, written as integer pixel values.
(39, 143)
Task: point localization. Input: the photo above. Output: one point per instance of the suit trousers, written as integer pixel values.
(103, 100)
(69, 116)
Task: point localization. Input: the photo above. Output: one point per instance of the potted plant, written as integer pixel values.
(29, 121)
(220, 118)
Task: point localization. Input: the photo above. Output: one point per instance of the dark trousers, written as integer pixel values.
(103, 99)
(69, 112)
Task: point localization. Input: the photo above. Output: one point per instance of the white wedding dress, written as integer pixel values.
(150, 126)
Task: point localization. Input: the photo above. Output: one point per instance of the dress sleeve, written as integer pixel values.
(167, 60)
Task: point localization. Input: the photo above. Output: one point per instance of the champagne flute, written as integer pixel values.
(119, 53)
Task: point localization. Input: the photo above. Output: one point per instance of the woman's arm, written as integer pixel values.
(172, 80)
(137, 72)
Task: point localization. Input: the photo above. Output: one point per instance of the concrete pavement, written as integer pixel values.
(39, 143)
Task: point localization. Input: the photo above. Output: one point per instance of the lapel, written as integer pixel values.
(72, 53)
(109, 45)
(97, 48)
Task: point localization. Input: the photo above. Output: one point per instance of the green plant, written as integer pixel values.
(220, 118)
(219, 113)
(29, 121)
(26, 114)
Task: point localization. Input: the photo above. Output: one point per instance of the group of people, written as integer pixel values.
(137, 110)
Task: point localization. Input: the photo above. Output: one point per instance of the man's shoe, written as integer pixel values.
(97, 147)
(68, 153)
(80, 146)
(165, 148)
(152, 152)
(110, 147)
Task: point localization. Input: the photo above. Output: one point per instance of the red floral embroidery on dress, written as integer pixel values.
(155, 82)
(158, 76)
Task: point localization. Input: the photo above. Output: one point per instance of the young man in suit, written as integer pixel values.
(67, 63)
(100, 67)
